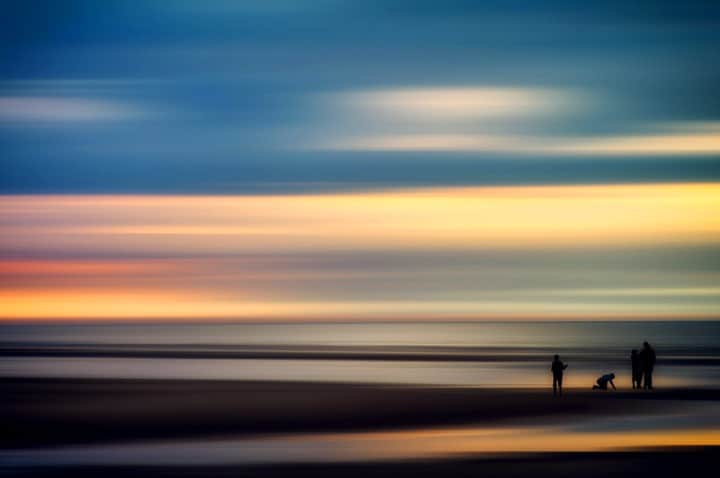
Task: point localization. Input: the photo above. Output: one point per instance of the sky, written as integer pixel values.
(344, 160)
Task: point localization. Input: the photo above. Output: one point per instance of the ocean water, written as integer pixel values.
(487, 354)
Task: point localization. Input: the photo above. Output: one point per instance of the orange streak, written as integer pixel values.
(62, 268)
(432, 219)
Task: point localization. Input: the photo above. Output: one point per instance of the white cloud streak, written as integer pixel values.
(56, 109)
(441, 104)
(662, 144)
(495, 120)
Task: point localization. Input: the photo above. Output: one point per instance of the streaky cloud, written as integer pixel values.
(661, 144)
(446, 103)
(49, 109)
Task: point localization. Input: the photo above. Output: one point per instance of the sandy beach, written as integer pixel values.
(52, 412)
(82, 427)
(657, 463)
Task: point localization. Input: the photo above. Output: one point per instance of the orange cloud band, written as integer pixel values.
(433, 219)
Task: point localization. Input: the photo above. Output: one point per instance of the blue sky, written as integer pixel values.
(234, 97)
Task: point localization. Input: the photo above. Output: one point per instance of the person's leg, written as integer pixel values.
(554, 386)
(649, 379)
(560, 385)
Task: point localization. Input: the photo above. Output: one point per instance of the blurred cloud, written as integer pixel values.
(514, 121)
(658, 144)
(677, 144)
(442, 104)
(56, 109)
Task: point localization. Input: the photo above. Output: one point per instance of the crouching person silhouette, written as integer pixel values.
(557, 368)
(602, 382)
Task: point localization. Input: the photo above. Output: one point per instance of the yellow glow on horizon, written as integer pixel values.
(496, 217)
(195, 233)
(182, 304)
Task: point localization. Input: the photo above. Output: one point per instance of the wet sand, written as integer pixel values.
(656, 463)
(53, 412)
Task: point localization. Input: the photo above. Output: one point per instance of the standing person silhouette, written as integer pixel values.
(636, 370)
(647, 362)
(557, 368)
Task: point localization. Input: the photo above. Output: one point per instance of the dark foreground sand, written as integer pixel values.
(658, 464)
(38, 413)
(52, 412)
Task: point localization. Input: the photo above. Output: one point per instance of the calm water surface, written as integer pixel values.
(466, 354)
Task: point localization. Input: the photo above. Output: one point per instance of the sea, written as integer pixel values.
(462, 354)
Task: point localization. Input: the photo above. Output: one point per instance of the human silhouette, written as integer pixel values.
(636, 370)
(557, 368)
(647, 363)
(603, 381)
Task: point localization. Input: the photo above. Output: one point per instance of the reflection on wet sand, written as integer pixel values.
(362, 447)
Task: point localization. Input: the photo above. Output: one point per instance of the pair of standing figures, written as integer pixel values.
(643, 364)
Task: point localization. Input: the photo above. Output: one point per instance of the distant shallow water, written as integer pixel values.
(461, 354)
(491, 375)
(561, 334)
